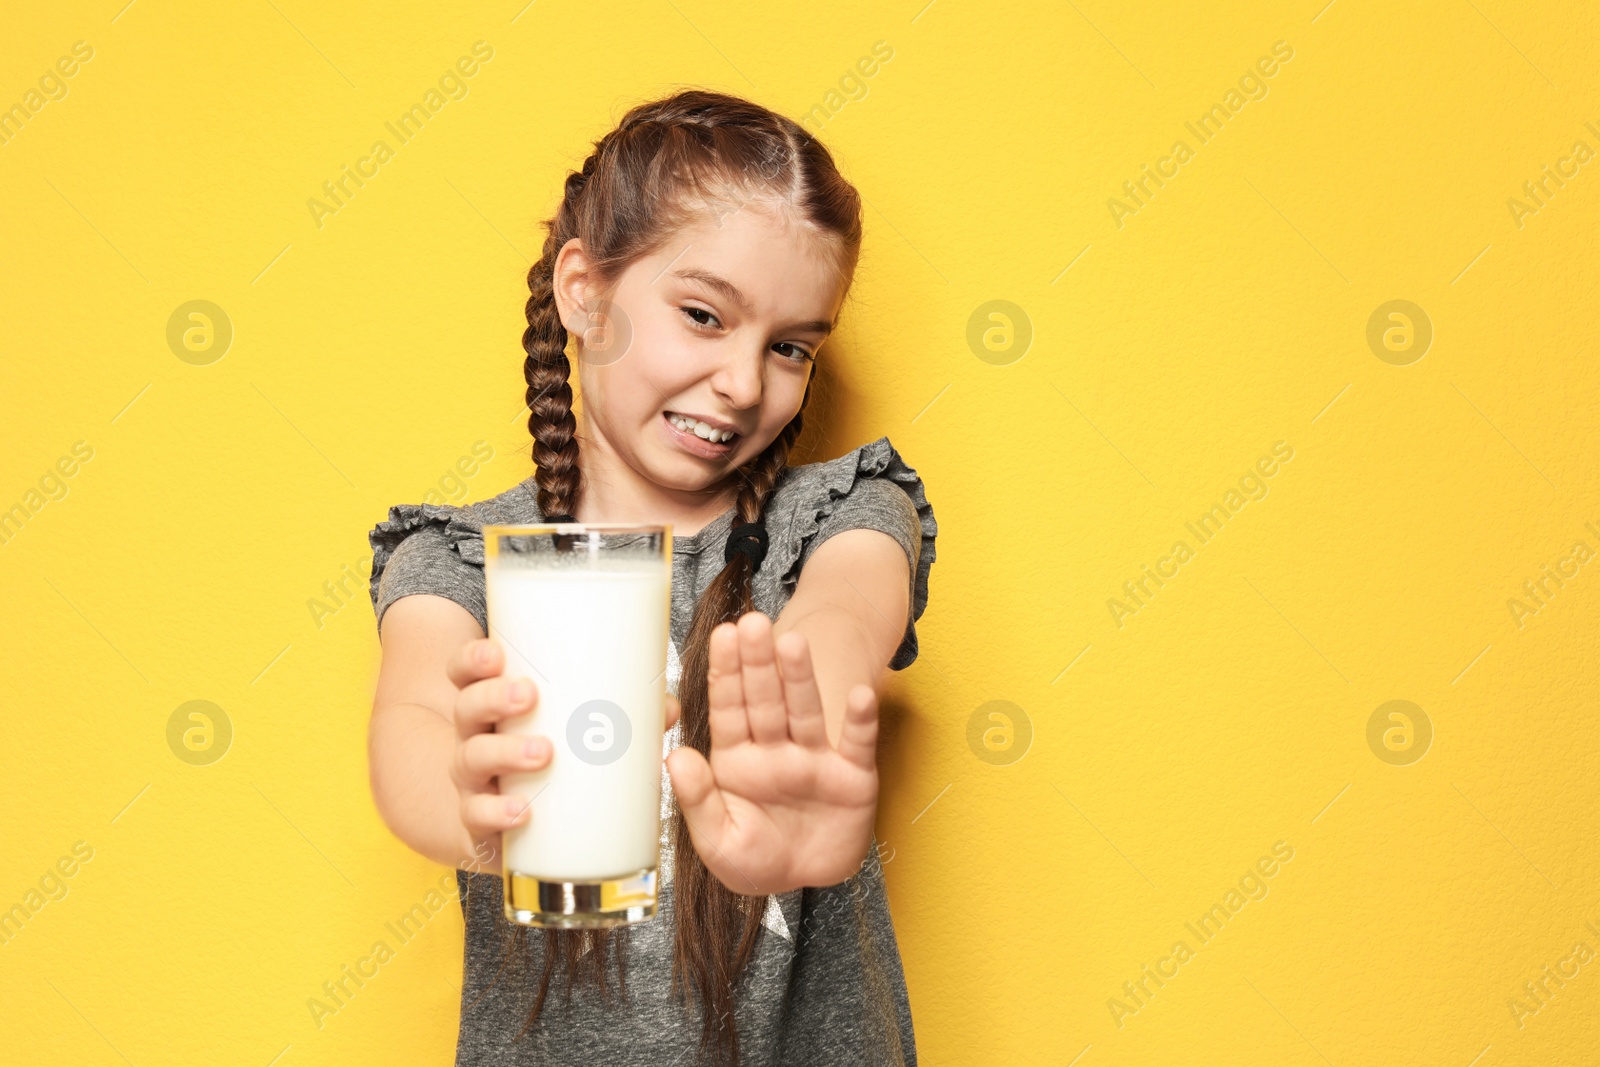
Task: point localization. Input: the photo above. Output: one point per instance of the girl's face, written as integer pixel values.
(722, 325)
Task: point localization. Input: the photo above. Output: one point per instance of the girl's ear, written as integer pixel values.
(571, 282)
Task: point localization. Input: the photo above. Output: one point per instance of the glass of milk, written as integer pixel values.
(582, 610)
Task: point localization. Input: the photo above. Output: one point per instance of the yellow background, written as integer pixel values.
(1230, 312)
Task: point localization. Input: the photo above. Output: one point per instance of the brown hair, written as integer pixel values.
(639, 185)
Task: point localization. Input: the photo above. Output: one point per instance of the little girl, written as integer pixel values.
(697, 263)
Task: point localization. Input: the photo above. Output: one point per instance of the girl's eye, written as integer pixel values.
(690, 310)
(800, 354)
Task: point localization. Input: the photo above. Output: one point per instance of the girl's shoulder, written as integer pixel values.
(874, 463)
(871, 485)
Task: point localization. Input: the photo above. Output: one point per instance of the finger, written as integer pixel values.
(806, 723)
(763, 689)
(858, 738)
(674, 711)
(485, 756)
(484, 703)
(725, 689)
(695, 790)
(488, 813)
(481, 657)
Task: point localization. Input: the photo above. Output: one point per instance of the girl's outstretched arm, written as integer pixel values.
(852, 603)
(414, 735)
(788, 796)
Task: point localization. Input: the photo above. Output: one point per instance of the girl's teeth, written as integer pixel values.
(699, 429)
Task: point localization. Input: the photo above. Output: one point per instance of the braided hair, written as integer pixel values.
(642, 182)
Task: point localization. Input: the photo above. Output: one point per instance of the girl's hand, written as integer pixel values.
(488, 697)
(777, 807)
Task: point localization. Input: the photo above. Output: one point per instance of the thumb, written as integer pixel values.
(698, 797)
(858, 737)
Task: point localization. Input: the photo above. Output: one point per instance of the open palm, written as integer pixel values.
(777, 807)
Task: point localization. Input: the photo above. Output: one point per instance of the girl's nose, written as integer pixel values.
(739, 380)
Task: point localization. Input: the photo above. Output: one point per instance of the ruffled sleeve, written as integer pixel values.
(870, 487)
(428, 548)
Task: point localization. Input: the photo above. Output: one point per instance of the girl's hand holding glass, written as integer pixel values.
(487, 697)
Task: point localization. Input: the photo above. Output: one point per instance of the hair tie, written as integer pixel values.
(749, 538)
(562, 541)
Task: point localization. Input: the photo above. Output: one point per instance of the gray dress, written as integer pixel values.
(825, 986)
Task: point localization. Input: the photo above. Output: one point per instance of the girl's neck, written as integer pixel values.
(615, 492)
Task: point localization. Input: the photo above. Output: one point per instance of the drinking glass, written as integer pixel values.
(583, 610)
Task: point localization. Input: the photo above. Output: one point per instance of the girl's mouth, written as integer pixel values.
(679, 431)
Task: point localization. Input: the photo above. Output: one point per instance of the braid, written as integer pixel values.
(547, 369)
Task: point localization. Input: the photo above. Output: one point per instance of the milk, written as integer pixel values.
(592, 635)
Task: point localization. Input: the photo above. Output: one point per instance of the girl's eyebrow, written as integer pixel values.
(715, 282)
(726, 288)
